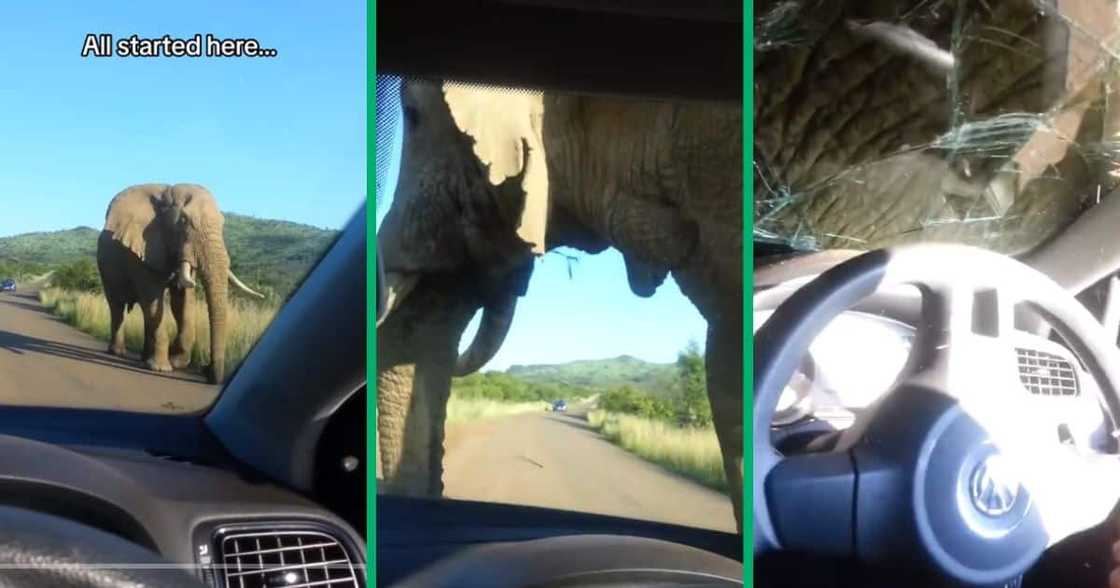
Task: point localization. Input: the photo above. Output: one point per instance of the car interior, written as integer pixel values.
(265, 488)
(661, 50)
(826, 487)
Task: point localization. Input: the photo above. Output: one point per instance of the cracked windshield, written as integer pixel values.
(565, 279)
(159, 212)
(939, 122)
(987, 123)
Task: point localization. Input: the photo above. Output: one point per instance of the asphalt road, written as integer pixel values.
(45, 362)
(557, 461)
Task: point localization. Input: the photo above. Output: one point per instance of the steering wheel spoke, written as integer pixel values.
(811, 500)
(963, 345)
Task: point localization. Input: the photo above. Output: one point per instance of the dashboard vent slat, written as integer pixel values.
(293, 559)
(1046, 374)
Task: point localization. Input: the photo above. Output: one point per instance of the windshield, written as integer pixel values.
(594, 398)
(158, 212)
(986, 123)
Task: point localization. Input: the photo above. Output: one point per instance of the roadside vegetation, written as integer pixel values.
(20, 271)
(469, 410)
(670, 425)
(79, 275)
(88, 312)
(673, 430)
(692, 452)
(502, 387)
(495, 394)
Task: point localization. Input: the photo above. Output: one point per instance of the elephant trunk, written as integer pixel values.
(214, 272)
(497, 316)
(492, 331)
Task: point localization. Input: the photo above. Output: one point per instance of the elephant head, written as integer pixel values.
(492, 177)
(472, 200)
(467, 219)
(177, 231)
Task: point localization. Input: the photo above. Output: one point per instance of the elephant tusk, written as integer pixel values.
(492, 331)
(398, 287)
(908, 42)
(185, 279)
(241, 286)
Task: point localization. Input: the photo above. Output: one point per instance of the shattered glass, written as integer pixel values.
(985, 122)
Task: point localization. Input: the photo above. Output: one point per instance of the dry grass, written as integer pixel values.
(90, 313)
(460, 410)
(693, 453)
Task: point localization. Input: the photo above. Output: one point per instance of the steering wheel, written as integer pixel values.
(43, 550)
(955, 467)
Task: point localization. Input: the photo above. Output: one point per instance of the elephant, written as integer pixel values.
(492, 178)
(157, 239)
(881, 123)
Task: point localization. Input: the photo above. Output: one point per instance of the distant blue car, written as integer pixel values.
(8, 285)
(559, 406)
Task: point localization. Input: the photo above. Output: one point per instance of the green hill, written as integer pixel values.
(571, 380)
(275, 253)
(50, 248)
(654, 378)
(674, 393)
(268, 254)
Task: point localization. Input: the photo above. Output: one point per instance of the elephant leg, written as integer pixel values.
(416, 356)
(410, 438)
(724, 368)
(116, 332)
(182, 309)
(718, 296)
(155, 338)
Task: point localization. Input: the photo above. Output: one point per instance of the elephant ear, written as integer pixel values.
(132, 221)
(506, 128)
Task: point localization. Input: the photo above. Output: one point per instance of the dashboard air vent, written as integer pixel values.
(1046, 374)
(293, 559)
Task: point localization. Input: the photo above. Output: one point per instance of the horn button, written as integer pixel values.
(921, 442)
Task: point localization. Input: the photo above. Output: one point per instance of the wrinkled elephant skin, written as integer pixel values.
(978, 129)
(491, 178)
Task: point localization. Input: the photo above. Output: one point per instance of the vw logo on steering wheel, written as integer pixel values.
(993, 487)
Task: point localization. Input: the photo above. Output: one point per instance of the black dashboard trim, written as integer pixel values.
(76, 505)
(165, 498)
(413, 533)
(182, 436)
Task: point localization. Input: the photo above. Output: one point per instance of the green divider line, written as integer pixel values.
(748, 288)
(371, 292)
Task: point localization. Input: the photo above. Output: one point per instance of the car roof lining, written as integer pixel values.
(625, 49)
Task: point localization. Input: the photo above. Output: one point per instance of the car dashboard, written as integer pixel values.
(191, 507)
(859, 356)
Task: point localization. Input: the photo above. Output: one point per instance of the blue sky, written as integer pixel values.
(591, 315)
(280, 137)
